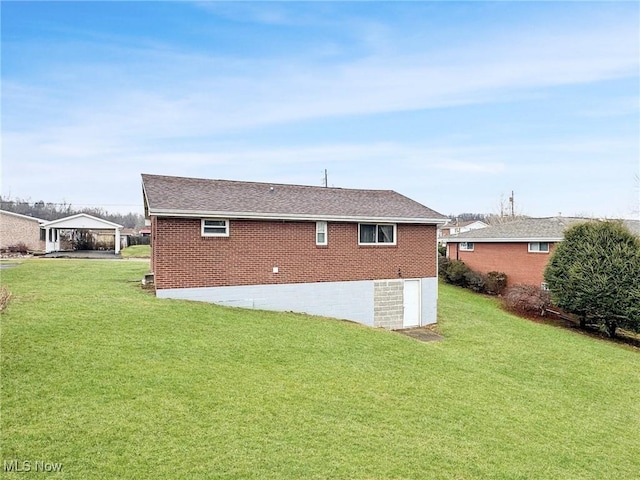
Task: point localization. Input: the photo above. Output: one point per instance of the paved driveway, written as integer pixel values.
(96, 254)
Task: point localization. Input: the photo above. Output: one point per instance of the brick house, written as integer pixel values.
(18, 229)
(364, 255)
(521, 249)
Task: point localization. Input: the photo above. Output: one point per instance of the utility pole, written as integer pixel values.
(513, 206)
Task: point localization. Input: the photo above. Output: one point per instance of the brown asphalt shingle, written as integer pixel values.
(531, 229)
(180, 194)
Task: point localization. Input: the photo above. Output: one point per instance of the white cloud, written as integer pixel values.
(162, 109)
(195, 94)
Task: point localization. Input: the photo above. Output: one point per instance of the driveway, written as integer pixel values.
(94, 254)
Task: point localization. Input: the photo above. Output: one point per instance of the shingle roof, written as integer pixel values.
(180, 196)
(461, 224)
(19, 215)
(529, 229)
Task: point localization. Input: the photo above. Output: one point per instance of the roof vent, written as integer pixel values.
(271, 189)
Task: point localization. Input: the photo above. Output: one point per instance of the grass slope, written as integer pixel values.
(113, 383)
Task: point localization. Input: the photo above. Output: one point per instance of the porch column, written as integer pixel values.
(48, 247)
(117, 241)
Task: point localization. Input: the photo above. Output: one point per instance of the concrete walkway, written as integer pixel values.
(421, 334)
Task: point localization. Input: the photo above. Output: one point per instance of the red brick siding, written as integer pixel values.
(183, 258)
(513, 259)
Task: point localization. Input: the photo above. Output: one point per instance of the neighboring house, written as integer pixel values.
(364, 255)
(55, 229)
(521, 249)
(18, 229)
(456, 228)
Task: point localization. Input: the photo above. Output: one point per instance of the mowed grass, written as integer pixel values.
(136, 251)
(102, 377)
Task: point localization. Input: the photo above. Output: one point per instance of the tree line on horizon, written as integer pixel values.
(53, 211)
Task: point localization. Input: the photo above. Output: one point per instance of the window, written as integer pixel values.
(544, 286)
(467, 246)
(539, 247)
(321, 233)
(373, 234)
(215, 228)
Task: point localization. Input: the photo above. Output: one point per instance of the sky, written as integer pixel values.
(453, 104)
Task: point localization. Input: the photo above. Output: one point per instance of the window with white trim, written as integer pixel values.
(544, 286)
(321, 233)
(467, 246)
(215, 227)
(539, 247)
(376, 233)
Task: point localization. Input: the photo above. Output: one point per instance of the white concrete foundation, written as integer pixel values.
(343, 300)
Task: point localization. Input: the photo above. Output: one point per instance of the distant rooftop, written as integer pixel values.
(529, 229)
(461, 224)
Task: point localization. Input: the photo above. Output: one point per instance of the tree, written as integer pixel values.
(506, 211)
(54, 211)
(595, 273)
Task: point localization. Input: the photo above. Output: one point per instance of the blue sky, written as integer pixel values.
(454, 104)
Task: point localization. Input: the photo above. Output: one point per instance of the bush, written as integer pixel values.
(527, 299)
(83, 241)
(443, 266)
(475, 281)
(18, 248)
(457, 272)
(594, 274)
(495, 283)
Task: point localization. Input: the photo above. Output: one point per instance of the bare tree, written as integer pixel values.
(506, 211)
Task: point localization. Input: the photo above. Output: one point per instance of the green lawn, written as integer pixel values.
(136, 251)
(102, 377)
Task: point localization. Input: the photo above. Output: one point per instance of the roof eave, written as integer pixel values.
(501, 240)
(26, 217)
(291, 216)
(107, 223)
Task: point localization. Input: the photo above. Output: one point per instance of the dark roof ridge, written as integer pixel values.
(268, 184)
(187, 196)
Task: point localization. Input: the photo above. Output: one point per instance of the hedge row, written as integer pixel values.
(458, 273)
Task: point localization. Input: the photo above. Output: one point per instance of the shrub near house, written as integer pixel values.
(458, 273)
(595, 273)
